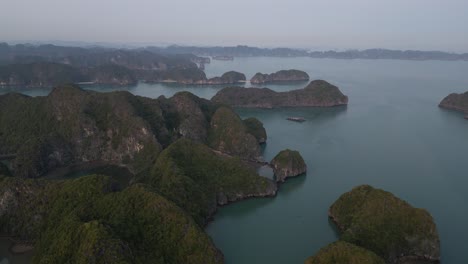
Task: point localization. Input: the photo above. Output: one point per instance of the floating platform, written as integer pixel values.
(296, 119)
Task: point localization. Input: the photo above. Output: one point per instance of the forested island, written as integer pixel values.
(376, 227)
(280, 76)
(317, 93)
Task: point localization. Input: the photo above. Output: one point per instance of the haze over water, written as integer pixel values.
(392, 135)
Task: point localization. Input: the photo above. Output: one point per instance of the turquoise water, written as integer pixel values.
(392, 135)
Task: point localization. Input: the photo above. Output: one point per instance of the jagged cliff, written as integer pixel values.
(317, 94)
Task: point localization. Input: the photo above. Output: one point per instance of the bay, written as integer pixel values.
(392, 135)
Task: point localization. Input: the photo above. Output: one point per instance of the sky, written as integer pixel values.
(314, 24)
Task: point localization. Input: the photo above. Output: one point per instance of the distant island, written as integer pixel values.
(280, 76)
(457, 102)
(373, 54)
(25, 65)
(318, 93)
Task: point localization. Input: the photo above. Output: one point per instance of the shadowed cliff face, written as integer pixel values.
(317, 94)
(72, 125)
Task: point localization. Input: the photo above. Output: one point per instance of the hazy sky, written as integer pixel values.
(401, 24)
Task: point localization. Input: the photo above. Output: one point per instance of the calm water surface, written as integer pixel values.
(392, 135)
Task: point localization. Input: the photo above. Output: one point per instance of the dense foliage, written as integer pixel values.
(255, 127)
(344, 253)
(229, 134)
(198, 179)
(379, 221)
(90, 220)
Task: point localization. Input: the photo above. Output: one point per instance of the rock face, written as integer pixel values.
(344, 253)
(228, 134)
(280, 76)
(317, 94)
(390, 227)
(457, 102)
(288, 163)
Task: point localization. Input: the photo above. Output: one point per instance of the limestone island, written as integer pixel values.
(288, 163)
(386, 225)
(318, 93)
(197, 76)
(457, 102)
(280, 76)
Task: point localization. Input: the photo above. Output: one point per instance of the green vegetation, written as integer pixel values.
(89, 220)
(228, 134)
(288, 163)
(379, 221)
(344, 253)
(197, 179)
(255, 128)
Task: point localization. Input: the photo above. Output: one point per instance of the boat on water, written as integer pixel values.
(296, 119)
